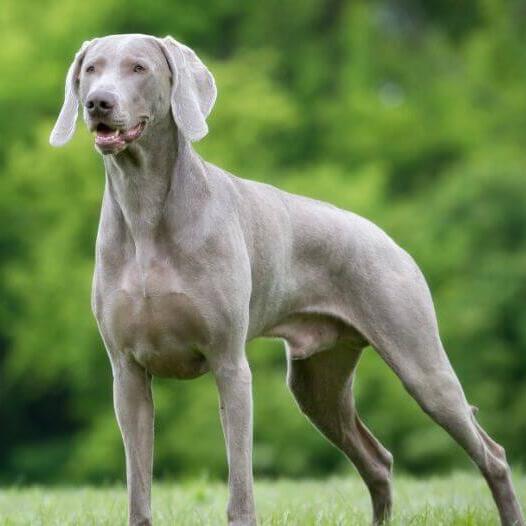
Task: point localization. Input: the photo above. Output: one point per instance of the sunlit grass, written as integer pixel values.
(461, 499)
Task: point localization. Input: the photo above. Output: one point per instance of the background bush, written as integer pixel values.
(411, 113)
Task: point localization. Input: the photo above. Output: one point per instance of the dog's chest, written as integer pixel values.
(146, 312)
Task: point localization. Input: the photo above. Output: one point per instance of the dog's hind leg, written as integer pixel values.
(322, 386)
(430, 379)
(401, 325)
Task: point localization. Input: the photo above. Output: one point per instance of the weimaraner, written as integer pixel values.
(192, 262)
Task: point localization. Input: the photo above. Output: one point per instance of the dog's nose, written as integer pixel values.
(100, 102)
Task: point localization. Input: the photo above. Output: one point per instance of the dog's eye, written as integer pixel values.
(90, 69)
(138, 68)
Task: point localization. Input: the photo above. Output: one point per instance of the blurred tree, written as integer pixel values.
(405, 111)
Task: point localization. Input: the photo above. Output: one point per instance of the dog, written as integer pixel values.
(192, 262)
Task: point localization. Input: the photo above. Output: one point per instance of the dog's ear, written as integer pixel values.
(67, 119)
(193, 89)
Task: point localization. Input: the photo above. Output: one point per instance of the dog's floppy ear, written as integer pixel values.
(65, 125)
(193, 89)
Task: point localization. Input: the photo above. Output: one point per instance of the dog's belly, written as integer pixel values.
(162, 332)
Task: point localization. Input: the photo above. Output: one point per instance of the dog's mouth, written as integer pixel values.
(111, 140)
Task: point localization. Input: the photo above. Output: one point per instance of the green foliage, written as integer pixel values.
(401, 111)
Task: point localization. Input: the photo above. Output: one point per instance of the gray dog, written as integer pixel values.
(192, 262)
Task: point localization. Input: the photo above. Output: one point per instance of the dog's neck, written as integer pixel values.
(156, 190)
(139, 179)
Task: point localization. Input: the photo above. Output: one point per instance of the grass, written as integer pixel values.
(460, 499)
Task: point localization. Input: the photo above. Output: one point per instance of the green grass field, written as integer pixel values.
(461, 499)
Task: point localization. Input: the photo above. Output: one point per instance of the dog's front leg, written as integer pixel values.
(234, 382)
(132, 398)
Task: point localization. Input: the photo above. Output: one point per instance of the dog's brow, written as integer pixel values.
(132, 58)
(97, 60)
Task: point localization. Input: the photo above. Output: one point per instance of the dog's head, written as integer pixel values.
(126, 83)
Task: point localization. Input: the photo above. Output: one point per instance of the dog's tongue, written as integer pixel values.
(108, 137)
